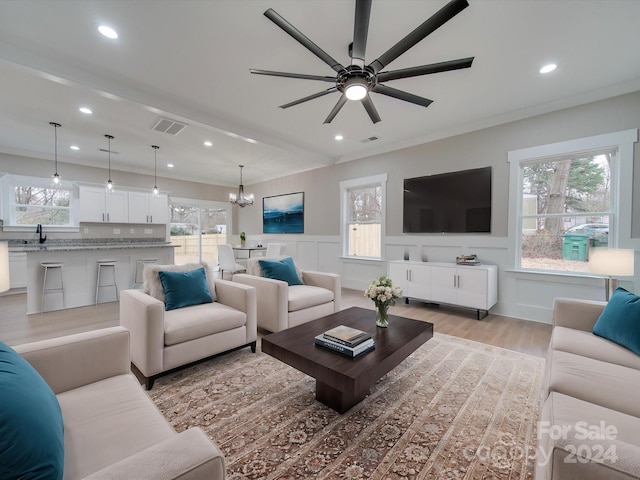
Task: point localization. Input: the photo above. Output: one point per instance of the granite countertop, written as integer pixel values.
(94, 244)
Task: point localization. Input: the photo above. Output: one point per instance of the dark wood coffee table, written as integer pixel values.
(342, 382)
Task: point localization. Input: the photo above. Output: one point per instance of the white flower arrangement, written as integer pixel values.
(382, 292)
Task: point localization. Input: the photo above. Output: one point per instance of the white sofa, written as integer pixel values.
(112, 429)
(282, 306)
(162, 341)
(590, 417)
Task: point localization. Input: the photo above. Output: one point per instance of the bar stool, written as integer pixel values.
(47, 289)
(138, 279)
(110, 266)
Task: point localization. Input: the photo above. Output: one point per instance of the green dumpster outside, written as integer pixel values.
(575, 246)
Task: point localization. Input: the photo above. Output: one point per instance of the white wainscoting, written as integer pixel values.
(523, 295)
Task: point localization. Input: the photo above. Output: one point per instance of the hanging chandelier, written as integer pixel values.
(240, 199)
(56, 177)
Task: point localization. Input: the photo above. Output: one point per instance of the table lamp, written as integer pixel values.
(4, 266)
(611, 262)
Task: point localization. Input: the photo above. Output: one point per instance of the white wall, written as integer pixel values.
(523, 295)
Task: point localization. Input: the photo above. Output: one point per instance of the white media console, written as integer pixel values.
(470, 286)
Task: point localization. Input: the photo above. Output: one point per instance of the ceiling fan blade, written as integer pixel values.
(360, 32)
(426, 69)
(336, 109)
(400, 95)
(310, 97)
(438, 19)
(302, 39)
(302, 76)
(371, 110)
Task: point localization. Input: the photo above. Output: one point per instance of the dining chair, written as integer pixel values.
(273, 249)
(227, 261)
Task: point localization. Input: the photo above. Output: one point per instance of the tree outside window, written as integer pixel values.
(566, 207)
(41, 205)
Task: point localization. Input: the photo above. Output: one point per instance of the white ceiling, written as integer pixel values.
(189, 60)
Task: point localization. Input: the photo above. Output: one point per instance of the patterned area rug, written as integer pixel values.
(453, 409)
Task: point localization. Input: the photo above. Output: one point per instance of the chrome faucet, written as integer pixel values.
(39, 230)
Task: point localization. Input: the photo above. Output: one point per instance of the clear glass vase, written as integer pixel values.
(382, 315)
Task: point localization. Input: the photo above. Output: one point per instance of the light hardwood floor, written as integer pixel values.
(17, 327)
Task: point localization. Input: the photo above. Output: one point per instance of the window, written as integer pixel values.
(566, 208)
(197, 230)
(569, 200)
(32, 201)
(363, 207)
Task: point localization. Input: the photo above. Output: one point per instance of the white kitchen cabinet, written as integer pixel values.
(97, 205)
(146, 208)
(473, 287)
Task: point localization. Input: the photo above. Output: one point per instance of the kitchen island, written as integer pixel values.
(81, 268)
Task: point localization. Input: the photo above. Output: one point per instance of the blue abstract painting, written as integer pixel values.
(283, 213)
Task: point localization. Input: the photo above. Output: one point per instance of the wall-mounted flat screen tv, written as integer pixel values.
(456, 202)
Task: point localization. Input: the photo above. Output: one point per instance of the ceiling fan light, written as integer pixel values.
(356, 91)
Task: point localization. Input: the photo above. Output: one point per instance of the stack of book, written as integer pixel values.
(346, 340)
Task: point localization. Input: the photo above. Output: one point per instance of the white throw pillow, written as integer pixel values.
(151, 279)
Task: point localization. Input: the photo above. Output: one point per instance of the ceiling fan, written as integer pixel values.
(357, 81)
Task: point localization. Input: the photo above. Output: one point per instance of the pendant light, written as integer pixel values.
(240, 199)
(109, 182)
(155, 170)
(56, 177)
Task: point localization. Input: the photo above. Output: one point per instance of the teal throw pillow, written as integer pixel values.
(182, 289)
(620, 320)
(31, 428)
(283, 270)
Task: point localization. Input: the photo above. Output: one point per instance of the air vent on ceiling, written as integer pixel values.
(370, 139)
(107, 151)
(166, 125)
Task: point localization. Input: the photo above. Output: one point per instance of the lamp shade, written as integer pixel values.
(4, 267)
(615, 262)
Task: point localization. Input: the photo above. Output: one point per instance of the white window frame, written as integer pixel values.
(621, 185)
(191, 202)
(345, 186)
(9, 182)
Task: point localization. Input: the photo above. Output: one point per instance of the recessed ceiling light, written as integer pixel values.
(208, 143)
(338, 137)
(108, 32)
(169, 165)
(251, 140)
(85, 110)
(74, 147)
(548, 68)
